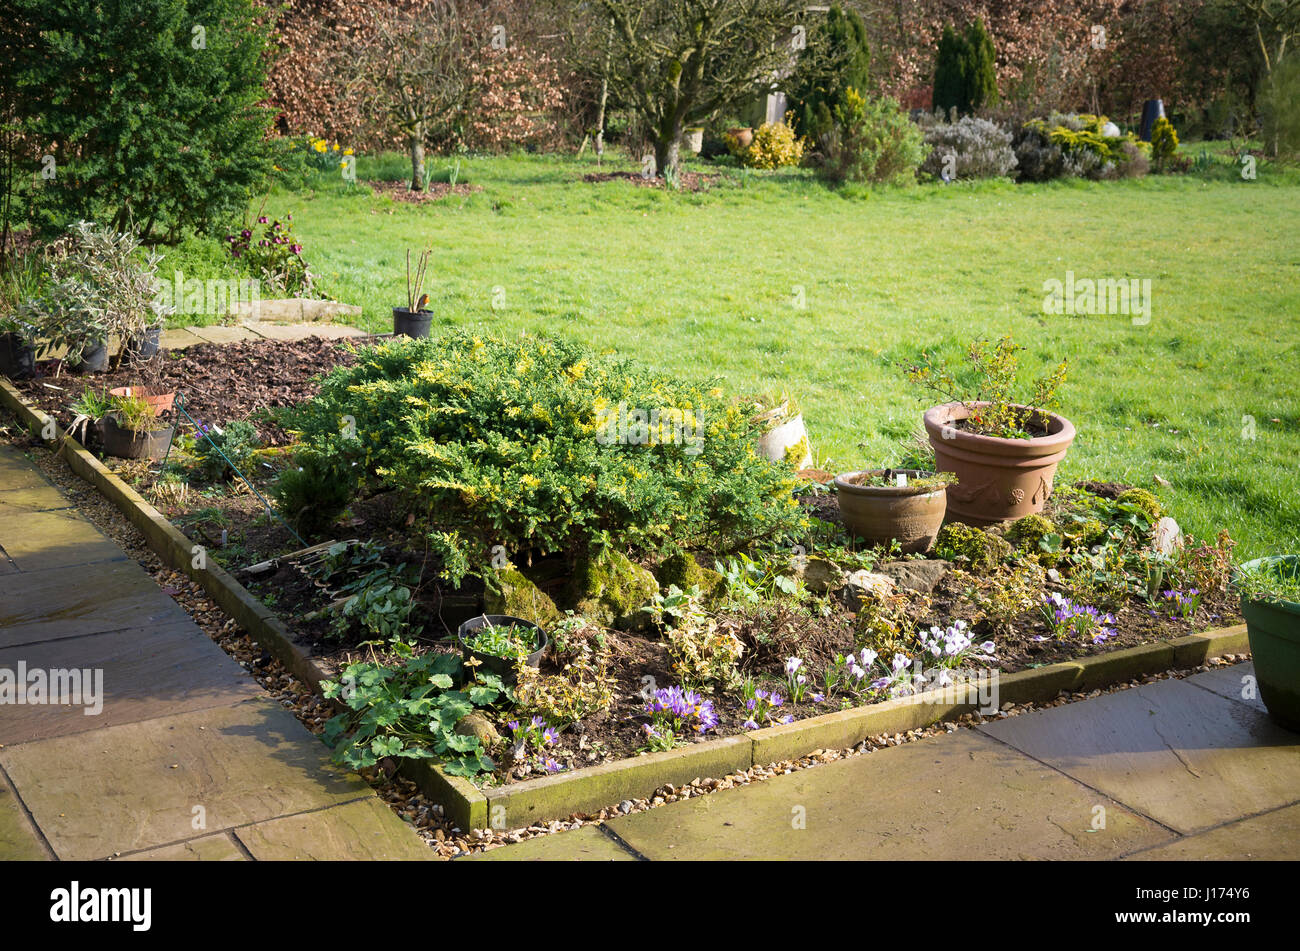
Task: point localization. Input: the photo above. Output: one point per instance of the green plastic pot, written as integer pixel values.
(1274, 631)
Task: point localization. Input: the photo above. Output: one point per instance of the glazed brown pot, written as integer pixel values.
(744, 137)
(910, 514)
(999, 480)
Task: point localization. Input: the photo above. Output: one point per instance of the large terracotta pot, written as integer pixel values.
(744, 137)
(910, 514)
(999, 480)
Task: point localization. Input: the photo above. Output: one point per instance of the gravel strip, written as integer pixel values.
(403, 796)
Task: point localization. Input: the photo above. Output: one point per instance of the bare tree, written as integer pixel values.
(418, 67)
(678, 62)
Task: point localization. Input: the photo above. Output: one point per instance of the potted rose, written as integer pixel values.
(413, 320)
(1004, 452)
(903, 505)
(1270, 603)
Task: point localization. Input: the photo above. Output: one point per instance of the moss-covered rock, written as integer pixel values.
(1144, 500)
(611, 589)
(507, 591)
(981, 550)
(683, 570)
(1025, 533)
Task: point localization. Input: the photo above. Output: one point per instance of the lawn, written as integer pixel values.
(1204, 395)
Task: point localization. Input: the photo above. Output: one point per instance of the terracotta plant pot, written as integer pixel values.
(1274, 631)
(744, 137)
(999, 480)
(162, 401)
(910, 514)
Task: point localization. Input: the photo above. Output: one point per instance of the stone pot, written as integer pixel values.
(910, 514)
(789, 436)
(999, 480)
(501, 666)
(695, 140)
(1274, 631)
(408, 324)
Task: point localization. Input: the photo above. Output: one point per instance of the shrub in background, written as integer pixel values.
(872, 141)
(965, 70)
(1076, 146)
(775, 146)
(1164, 143)
(535, 445)
(150, 109)
(837, 58)
(969, 147)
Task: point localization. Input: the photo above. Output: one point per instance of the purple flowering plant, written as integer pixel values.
(675, 712)
(1181, 604)
(1065, 619)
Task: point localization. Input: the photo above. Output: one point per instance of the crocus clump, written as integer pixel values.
(1064, 618)
(676, 711)
(1181, 604)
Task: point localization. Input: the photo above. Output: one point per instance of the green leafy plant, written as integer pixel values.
(582, 687)
(236, 442)
(133, 413)
(309, 493)
(872, 141)
(751, 580)
(409, 712)
(539, 444)
(994, 383)
(511, 641)
(1272, 581)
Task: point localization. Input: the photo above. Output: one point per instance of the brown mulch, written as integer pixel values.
(220, 382)
(688, 181)
(401, 191)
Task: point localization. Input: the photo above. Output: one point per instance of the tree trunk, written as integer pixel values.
(668, 148)
(416, 147)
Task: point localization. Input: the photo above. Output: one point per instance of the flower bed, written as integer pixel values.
(714, 627)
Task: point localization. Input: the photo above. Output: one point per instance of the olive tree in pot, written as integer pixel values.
(1270, 603)
(1003, 451)
(413, 320)
(97, 287)
(903, 505)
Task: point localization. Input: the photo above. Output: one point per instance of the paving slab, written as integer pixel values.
(18, 472)
(303, 331)
(143, 785)
(587, 844)
(366, 830)
(210, 848)
(38, 540)
(178, 338)
(1186, 757)
(18, 839)
(957, 796)
(217, 333)
(1236, 682)
(89, 599)
(1272, 837)
(32, 498)
(131, 675)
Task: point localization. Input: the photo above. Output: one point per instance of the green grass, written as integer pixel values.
(706, 284)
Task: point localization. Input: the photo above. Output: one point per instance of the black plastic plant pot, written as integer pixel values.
(501, 666)
(128, 444)
(412, 325)
(17, 358)
(94, 359)
(146, 345)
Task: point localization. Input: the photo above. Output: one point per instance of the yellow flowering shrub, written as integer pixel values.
(775, 146)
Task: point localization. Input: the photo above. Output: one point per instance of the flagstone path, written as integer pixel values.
(1178, 769)
(188, 757)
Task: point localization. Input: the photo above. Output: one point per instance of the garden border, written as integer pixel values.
(593, 788)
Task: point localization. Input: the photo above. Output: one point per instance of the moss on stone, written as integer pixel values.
(611, 589)
(1025, 533)
(1144, 500)
(507, 591)
(683, 570)
(981, 550)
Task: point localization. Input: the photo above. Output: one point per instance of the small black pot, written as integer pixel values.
(126, 444)
(17, 358)
(411, 325)
(94, 359)
(145, 346)
(501, 666)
